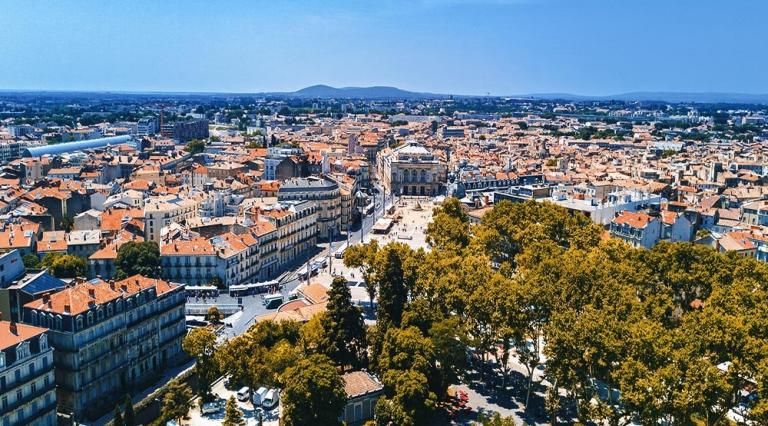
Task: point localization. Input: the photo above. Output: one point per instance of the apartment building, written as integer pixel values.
(323, 191)
(295, 222)
(27, 385)
(411, 170)
(185, 131)
(193, 261)
(160, 212)
(109, 338)
(638, 229)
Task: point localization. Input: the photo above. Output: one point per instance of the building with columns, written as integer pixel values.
(411, 170)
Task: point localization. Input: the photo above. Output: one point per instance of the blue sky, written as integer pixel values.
(502, 47)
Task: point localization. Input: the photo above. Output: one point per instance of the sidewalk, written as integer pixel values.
(168, 375)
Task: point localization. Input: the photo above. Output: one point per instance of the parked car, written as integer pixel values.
(211, 407)
(271, 399)
(258, 396)
(244, 393)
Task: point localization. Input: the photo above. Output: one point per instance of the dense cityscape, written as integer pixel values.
(393, 213)
(303, 259)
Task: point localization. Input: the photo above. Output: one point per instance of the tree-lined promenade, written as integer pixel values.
(652, 324)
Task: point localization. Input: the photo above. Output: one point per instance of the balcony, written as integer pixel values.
(31, 397)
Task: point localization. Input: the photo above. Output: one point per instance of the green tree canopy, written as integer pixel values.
(200, 343)
(64, 265)
(195, 146)
(176, 401)
(344, 332)
(232, 414)
(141, 258)
(313, 393)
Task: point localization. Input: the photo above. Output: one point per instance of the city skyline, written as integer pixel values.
(466, 47)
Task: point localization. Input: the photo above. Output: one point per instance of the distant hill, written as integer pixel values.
(671, 97)
(373, 92)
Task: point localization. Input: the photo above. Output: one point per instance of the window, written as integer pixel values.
(79, 322)
(22, 351)
(44, 338)
(2, 359)
(90, 318)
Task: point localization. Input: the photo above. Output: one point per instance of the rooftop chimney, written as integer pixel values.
(67, 309)
(14, 330)
(92, 293)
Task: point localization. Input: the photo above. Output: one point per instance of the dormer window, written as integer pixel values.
(43, 342)
(22, 351)
(90, 318)
(79, 322)
(2, 359)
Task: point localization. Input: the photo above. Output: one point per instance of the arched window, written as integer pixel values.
(79, 322)
(34, 318)
(58, 322)
(90, 318)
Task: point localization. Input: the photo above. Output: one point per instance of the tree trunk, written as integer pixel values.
(528, 391)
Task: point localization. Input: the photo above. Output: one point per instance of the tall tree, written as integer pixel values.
(313, 393)
(449, 228)
(363, 256)
(130, 415)
(138, 258)
(232, 414)
(344, 341)
(176, 401)
(64, 265)
(118, 420)
(200, 343)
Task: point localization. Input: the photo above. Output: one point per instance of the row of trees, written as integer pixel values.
(650, 325)
(656, 328)
(132, 258)
(304, 360)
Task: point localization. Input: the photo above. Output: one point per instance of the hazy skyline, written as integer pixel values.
(502, 47)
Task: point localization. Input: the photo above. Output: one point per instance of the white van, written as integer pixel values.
(244, 393)
(270, 400)
(258, 396)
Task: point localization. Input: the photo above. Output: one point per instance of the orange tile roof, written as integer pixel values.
(358, 383)
(635, 220)
(195, 246)
(136, 283)
(112, 219)
(315, 292)
(19, 235)
(52, 241)
(23, 332)
(76, 299)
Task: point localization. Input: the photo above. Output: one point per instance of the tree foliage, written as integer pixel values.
(200, 343)
(138, 258)
(344, 339)
(176, 401)
(232, 414)
(64, 265)
(313, 393)
(195, 146)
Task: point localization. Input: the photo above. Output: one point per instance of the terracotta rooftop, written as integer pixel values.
(76, 299)
(23, 332)
(635, 220)
(359, 383)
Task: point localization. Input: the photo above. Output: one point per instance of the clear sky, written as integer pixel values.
(502, 47)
